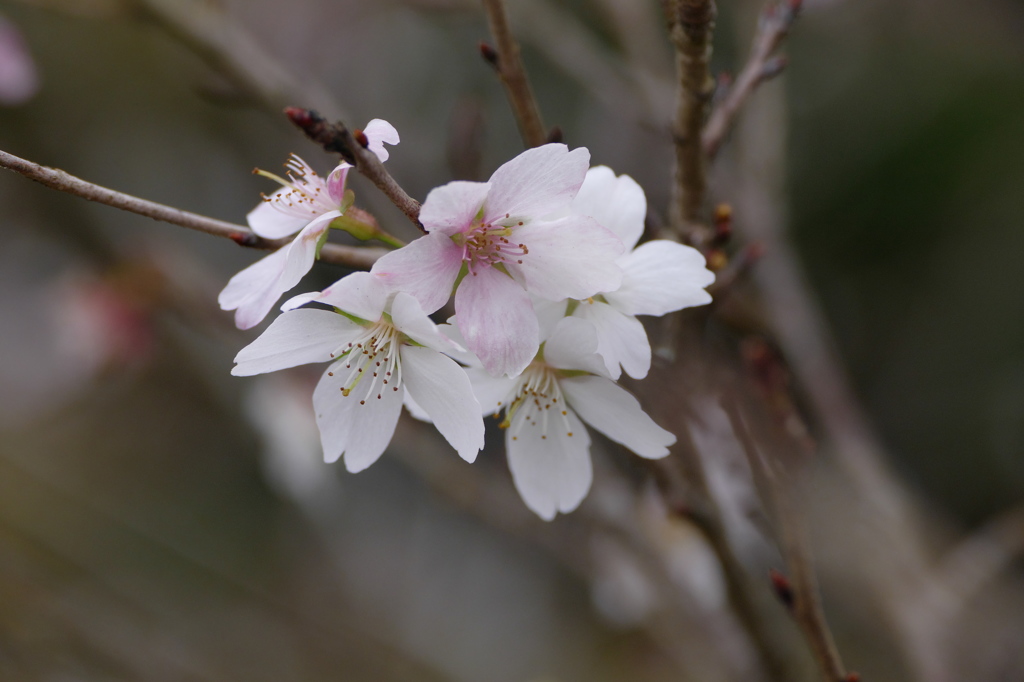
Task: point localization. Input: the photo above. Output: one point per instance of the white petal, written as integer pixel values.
(360, 294)
(549, 313)
(414, 408)
(296, 338)
(442, 389)
(300, 300)
(621, 339)
(552, 473)
(426, 268)
(270, 223)
(535, 183)
(661, 276)
(617, 203)
(573, 345)
(451, 208)
(360, 431)
(378, 131)
(252, 292)
(490, 391)
(409, 318)
(497, 320)
(302, 251)
(569, 258)
(611, 410)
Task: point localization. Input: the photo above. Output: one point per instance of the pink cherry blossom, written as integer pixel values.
(506, 236)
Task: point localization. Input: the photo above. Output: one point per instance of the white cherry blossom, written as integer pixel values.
(306, 203)
(380, 346)
(658, 277)
(544, 411)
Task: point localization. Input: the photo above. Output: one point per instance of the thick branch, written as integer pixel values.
(355, 257)
(691, 23)
(513, 75)
(336, 138)
(761, 66)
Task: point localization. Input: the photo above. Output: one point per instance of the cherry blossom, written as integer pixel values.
(380, 345)
(544, 411)
(501, 238)
(658, 277)
(306, 203)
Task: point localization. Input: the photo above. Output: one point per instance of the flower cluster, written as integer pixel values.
(547, 281)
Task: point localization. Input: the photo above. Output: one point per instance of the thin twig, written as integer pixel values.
(773, 27)
(691, 23)
(802, 593)
(513, 75)
(337, 139)
(355, 257)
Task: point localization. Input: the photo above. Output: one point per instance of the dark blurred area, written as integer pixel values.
(163, 520)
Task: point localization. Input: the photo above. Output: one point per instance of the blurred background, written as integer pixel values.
(162, 520)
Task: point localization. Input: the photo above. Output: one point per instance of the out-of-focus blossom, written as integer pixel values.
(380, 345)
(498, 236)
(19, 80)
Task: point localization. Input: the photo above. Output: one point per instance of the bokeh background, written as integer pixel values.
(162, 520)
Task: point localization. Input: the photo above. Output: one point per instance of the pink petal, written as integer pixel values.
(378, 131)
(426, 268)
(360, 294)
(617, 203)
(537, 182)
(270, 223)
(442, 389)
(360, 432)
(569, 258)
(659, 277)
(296, 338)
(451, 208)
(552, 470)
(621, 339)
(610, 409)
(496, 318)
(336, 182)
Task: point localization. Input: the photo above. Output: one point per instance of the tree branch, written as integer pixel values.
(690, 23)
(355, 257)
(337, 139)
(799, 591)
(773, 27)
(513, 76)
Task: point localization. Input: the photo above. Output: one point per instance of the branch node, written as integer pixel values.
(783, 588)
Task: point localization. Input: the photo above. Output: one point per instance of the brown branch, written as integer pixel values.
(761, 66)
(799, 591)
(355, 257)
(337, 139)
(691, 23)
(513, 76)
